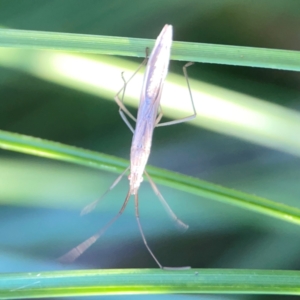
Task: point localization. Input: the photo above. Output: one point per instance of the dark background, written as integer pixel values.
(41, 199)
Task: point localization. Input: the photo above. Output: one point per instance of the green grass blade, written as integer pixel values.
(148, 281)
(53, 150)
(218, 109)
(196, 52)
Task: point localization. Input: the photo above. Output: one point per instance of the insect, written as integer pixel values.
(148, 118)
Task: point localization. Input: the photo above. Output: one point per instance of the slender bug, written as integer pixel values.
(148, 117)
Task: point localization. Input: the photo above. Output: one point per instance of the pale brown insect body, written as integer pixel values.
(155, 75)
(147, 119)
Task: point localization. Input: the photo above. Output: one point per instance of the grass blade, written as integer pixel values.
(148, 281)
(57, 151)
(196, 52)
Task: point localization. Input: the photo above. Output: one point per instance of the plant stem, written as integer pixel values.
(125, 46)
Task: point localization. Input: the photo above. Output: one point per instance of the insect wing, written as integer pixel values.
(157, 67)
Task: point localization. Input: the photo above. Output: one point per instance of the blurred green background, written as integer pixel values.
(41, 199)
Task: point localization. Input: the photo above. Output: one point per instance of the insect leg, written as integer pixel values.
(192, 101)
(145, 241)
(160, 115)
(120, 102)
(87, 209)
(77, 251)
(168, 209)
(141, 229)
